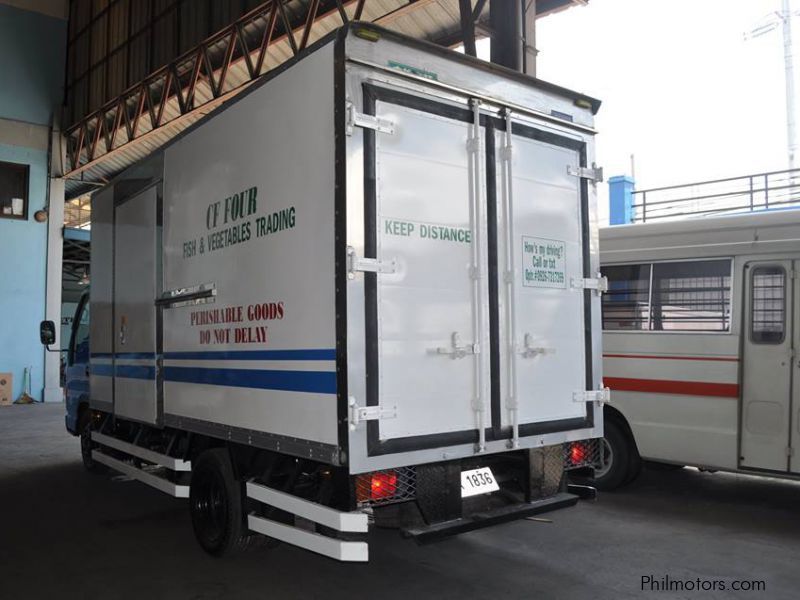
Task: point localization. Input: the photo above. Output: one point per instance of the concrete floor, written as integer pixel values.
(67, 534)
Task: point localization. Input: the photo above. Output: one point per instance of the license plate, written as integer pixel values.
(478, 481)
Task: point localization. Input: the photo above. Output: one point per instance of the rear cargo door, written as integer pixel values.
(135, 290)
(543, 262)
(426, 310)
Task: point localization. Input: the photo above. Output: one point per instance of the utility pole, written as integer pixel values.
(784, 19)
(788, 59)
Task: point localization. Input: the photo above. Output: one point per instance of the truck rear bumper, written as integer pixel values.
(437, 531)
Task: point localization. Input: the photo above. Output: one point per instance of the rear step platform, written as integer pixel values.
(438, 531)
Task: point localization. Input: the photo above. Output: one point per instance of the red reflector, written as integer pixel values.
(383, 485)
(577, 453)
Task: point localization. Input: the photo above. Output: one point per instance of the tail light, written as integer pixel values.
(583, 453)
(375, 487)
(577, 454)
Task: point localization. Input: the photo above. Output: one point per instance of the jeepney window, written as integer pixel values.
(768, 305)
(691, 296)
(626, 306)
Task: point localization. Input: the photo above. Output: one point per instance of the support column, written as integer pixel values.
(529, 50)
(513, 24)
(55, 249)
(620, 199)
(467, 27)
(505, 19)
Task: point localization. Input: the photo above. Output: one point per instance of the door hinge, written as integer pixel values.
(602, 396)
(359, 414)
(599, 283)
(357, 119)
(357, 264)
(789, 451)
(593, 173)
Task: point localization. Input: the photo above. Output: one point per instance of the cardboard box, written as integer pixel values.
(6, 379)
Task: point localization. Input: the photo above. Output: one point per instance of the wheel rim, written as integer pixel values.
(210, 509)
(606, 461)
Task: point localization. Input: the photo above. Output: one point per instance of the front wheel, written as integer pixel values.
(85, 432)
(620, 462)
(215, 501)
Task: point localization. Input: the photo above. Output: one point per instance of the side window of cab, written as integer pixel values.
(79, 348)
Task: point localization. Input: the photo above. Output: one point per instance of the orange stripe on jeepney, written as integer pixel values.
(669, 386)
(710, 358)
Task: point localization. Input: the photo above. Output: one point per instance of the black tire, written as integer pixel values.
(84, 432)
(215, 502)
(635, 465)
(621, 462)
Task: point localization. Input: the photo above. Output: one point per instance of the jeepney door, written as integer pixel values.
(768, 363)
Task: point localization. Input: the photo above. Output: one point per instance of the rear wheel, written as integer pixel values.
(215, 500)
(635, 464)
(620, 462)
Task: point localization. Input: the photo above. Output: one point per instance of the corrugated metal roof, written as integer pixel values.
(431, 20)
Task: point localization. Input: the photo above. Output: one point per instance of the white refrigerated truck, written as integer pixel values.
(368, 286)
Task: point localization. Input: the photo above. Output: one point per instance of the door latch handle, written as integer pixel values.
(529, 350)
(456, 348)
(123, 330)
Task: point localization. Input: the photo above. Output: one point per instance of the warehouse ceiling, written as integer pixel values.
(154, 110)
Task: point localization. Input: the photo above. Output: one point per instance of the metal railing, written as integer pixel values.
(750, 193)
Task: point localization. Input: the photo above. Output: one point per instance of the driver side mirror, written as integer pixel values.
(47, 332)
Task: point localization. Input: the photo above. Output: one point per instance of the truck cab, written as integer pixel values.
(76, 389)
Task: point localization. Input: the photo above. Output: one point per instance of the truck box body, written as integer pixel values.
(368, 279)
(340, 264)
